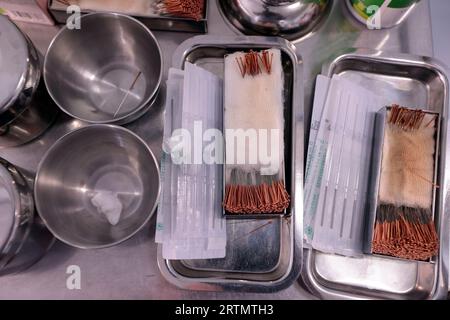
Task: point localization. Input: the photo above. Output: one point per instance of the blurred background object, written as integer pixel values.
(33, 11)
(440, 10)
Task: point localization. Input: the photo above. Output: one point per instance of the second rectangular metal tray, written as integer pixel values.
(262, 255)
(381, 119)
(413, 81)
(154, 22)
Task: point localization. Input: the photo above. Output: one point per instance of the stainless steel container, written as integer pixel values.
(109, 71)
(381, 119)
(90, 175)
(25, 111)
(291, 19)
(411, 81)
(153, 21)
(23, 238)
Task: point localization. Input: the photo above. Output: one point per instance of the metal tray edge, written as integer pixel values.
(154, 22)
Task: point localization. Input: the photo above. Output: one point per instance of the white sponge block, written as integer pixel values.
(254, 102)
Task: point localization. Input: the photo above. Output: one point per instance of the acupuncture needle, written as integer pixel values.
(330, 165)
(358, 177)
(128, 93)
(178, 173)
(339, 164)
(335, 149)
(173, 178)
(369, 124)
(208, 181)
(347, 183)
(317, 166)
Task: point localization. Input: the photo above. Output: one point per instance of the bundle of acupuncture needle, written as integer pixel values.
(404, 226)
(254, 133)
(128, 7)
(190, 9)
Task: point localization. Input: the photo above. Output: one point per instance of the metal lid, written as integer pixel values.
(14, 57)
(291, 19)
(8, 197)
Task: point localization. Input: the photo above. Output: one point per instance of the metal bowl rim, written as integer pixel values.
(57, 144)
(32, 73)
(134, 111)
(23, 76)
(17, 206)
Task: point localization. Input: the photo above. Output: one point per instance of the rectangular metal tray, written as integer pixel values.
(377, 160)
(287, 131)
(262, 255)
(154, 22)
(412, 81)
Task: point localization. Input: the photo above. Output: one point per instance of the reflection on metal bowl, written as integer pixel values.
(26, 110)
(24, 240)
(291, 19)
(109, 71)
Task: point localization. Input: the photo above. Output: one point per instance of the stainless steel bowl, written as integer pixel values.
(24, 240)
(26, 110)
(93, 171)
(291, 19)
(109, 71)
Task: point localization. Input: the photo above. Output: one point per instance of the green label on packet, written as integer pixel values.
(397, 4)
(361, 6)
(319, 2)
